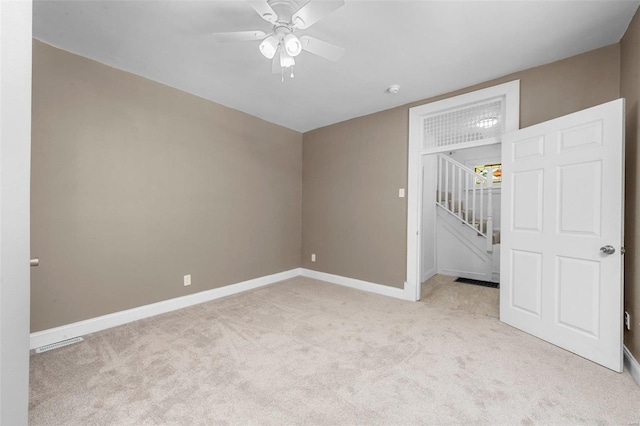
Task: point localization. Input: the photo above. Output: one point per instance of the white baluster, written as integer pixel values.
(460, 193)
(446, 184)
(473, 211)
(482, 191)
(490, 214)
(466, 197)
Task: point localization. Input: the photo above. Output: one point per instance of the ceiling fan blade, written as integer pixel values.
(322, 48)
(265, 11)
(314, 11)
(240, 36)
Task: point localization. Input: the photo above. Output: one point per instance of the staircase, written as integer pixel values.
(467, 239)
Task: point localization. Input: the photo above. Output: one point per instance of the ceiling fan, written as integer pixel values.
(281, 44)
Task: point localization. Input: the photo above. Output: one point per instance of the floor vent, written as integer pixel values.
(477, 282)
(57, 345)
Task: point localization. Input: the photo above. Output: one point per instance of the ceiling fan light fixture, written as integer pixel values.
(269, 46)
(292, 45)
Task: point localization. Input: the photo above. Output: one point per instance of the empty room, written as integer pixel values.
(332, 212)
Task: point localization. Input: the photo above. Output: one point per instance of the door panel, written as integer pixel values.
(578, 289)
(579, 199)
(527, 289)
(563, 188)
(527, 201)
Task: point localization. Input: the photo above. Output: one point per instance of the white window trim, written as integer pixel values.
(509, 91)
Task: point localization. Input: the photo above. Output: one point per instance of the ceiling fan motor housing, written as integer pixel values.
(285, 10)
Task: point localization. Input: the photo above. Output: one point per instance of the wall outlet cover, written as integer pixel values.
(187, 280)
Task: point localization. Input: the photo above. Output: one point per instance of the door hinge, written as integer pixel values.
(622, 250)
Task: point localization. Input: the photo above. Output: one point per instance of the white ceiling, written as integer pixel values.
(427, 47)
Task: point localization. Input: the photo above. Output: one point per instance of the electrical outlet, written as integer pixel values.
(627, 320)
(187, 280)
(401, 192)
(313, 257)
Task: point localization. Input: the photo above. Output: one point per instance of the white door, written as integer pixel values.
(562, 188)
(15, 147)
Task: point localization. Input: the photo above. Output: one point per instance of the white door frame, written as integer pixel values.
(15, 145)
(511, 91)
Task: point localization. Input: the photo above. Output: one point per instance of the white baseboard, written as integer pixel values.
(384, 290)
(428, 274)
(80, 328)
(466, 274)
(92, 325)
(632, 365)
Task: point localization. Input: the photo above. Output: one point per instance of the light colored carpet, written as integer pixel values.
(442, 290)
(307, 352)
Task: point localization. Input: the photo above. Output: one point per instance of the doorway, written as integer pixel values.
(461, 217)
(473, 120)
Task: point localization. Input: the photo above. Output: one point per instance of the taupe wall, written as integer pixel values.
(352, 217)
(630, 89)
(135, 184)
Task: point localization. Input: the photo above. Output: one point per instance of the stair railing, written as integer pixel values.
(462, 192)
